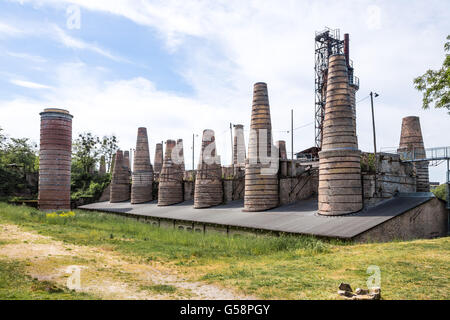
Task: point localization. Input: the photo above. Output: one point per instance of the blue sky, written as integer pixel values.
(178, 67)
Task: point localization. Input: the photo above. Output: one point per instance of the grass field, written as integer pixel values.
(266, 267)
(16, 284)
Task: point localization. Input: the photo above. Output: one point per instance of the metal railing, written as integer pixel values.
(353, 80)
(430, 154)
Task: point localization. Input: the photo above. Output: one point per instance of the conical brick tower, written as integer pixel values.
(102, 168)
(170, 189)
(352, 91)
(180, 155)
(120, 182)
(113, 160)
(126, 162)
(412, 147)
(142, 177)
(239, 145)
(208, 182)
(159, 157)
(281, 146)
(261, 180)
(340, 189)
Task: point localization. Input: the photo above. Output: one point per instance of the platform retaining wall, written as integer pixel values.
(429, 220)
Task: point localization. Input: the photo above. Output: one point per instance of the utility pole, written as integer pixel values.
(372, 94)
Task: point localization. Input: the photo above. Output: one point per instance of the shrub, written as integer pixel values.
(441, 192)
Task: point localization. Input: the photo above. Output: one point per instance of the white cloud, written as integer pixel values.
(75, 43)
(8, 30)
(114, 107)
(38, 29)
(29, 84)
(229, 45)
(26, 56)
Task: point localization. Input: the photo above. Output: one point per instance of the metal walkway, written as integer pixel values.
(431, 154)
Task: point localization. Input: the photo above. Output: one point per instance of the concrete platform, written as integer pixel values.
(297, 218)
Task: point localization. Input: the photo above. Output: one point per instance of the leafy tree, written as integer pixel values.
(18, 158)
(441, 192)
(21, 153)
(435, 85)
(2, 139)
(108, 147)
(86, 151)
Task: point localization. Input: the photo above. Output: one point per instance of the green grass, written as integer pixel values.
(15, 284)
(159, 288)
(268, 267)
(149, 242)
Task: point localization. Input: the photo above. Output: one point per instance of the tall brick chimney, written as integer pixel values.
(261, 185)
(55, 156)
(208, 180)
(340, 190)
(170, 190)
(412, 146)
(142, 176)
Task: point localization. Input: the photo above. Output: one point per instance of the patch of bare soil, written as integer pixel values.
(101, 272)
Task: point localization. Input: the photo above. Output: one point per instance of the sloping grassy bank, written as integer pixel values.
(268, 267)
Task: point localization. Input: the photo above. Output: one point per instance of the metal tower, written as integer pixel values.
(327, 43)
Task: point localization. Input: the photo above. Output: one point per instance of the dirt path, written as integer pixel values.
(102, 272)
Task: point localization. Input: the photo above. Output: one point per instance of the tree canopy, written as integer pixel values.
(18, 159)
(87, 151)
(435, 84)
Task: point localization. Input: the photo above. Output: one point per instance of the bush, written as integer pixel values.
(88, 185)
(368, 162)
(441, 192)
(18, 158)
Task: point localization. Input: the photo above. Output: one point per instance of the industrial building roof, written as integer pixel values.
(300, 217)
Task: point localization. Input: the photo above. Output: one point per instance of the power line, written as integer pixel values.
(299, 127)
(304, 125)
(363, 99)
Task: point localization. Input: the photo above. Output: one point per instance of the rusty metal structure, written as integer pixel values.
(239, 145)
(412, 147)
(55, 156)
(142, 176)
(120, 181)
(170, 189)
(208, 182)
(340, 190)
(328, 43)
(261, 181)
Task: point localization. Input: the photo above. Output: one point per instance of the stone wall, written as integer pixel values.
(227, 190)
(392, 177)
(188, 189)
(429, 220)
(233, 189)
(301, 187)
(294, 168)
